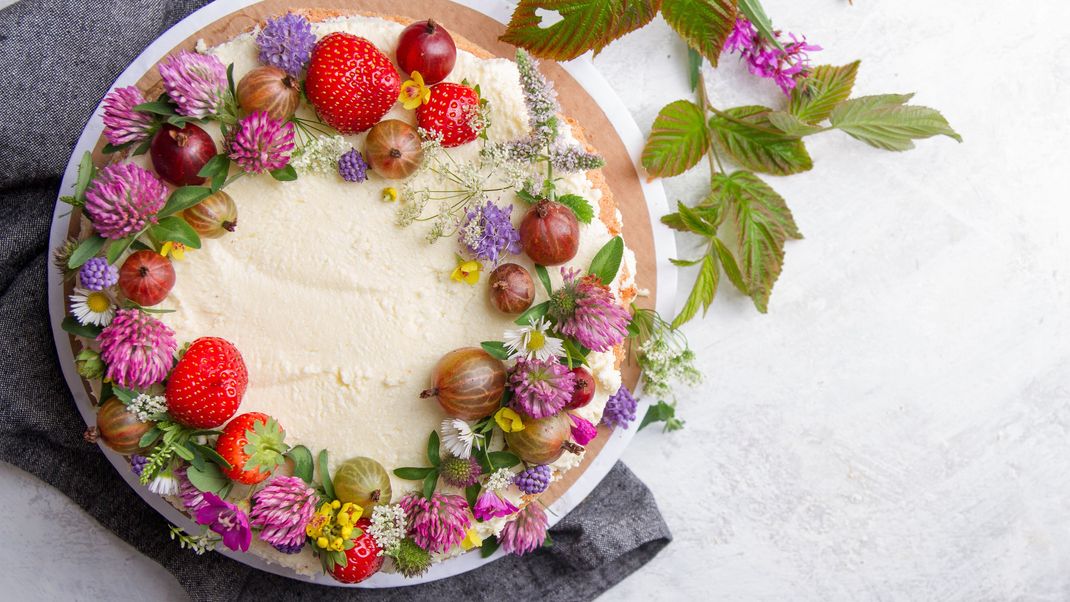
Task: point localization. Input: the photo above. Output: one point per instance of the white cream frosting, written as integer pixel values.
(339, 313)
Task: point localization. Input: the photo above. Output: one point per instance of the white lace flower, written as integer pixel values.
(458, 437)
(533, 342)
(92, 307)
(387, 527)
(147, 407)
(320, 156)
(500, 479)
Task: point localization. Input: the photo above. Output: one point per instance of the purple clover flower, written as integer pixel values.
(286, 42)
(262, 143)
(487, 232)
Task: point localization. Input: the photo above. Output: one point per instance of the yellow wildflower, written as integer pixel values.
(508, 420)
(471, 540)
(466, 271)
(413, 92)
(390, 194)
(176, 250)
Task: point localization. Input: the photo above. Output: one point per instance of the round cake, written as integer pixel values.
(351, 292)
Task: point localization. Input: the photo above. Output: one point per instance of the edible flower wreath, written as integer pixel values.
(173, 410)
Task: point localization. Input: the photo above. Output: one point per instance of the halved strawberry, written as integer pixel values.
(351, 83)
(453, 112)
(253, 444)
(207, 385)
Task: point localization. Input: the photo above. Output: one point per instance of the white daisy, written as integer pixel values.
(458, 437)
(165, 483)
(92, 307)
(532, 342)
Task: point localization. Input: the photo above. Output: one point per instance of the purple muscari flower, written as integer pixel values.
(351, 166)
(438, 524)
(533, 480)
(227, 520)
(764, 59)
(97, 274)
(138, 349)
(123, 199)
(138, 463)
(487, 232)
(491, 505)
(541, 388)
(197, 83)
(262, 143)
(281, 510)
(582, 430)
(192, 498)
(586, 310)
(286, 42)
(620, 409)
(526, 533)
(122, 124)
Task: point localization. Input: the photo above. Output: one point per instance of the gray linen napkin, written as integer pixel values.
(60, 57)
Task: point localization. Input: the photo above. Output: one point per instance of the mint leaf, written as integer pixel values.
(888, 123)
(678, 140)
(183, 198)
(584, 25)
(606, 262)
(702, 292)
(813, 100)
(745, 134)
(175, 229)
(703, 24)
(763, 223)
(753, 11)
(86, 250)
(579, 206)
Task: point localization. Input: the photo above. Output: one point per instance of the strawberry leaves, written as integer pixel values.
(584, 25)
(746, 135)
(704, 24)
(678, 140)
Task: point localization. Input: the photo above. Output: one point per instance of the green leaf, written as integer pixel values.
(325, 475)
(430, 481)
(183, 452)
(86, 331)
(791, 125)
(694, 221)
(211, 478)
(574, 353)
(684, 263)
(302, 459)
(703, 24)
(124, 395)
(730, 266)
(579, 206)
(490, 546)
(471, 494)
(496, 349)
(702, 292)
(678, 140)
(662, 412)
(694, 67)
(503, 459)
(746, 135)
(584, 25)
(183, 198)
(175, 229)
(413, 473)
(544, 277)
(813, 100)
(606, 262)
(86, 250)
(763, 223)
(533, 313)
(151, 436)
(433, 449)
(213, 456)
(284, 174)
(886, 122)
(156, 107)
(527, 197)
(118, 247)
(753, 11)
(86, 172)
(216, 169)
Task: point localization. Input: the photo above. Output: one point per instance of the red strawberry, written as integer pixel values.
(351, 83)
(362, 560)
(253, 443)
(207, 384)
(452, 111)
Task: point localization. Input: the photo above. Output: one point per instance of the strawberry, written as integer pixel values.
(351, 83)
(362, 560)
(253, 444)
(453, 112)
(207, 384)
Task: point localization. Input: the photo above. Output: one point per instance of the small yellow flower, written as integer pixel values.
(336, 504)
(337, 545)
(176, 250)
(508, 420)
(322, 542)
(413, 92)
(471, 540)
(466, 271)
(390, 194)
(347, 531)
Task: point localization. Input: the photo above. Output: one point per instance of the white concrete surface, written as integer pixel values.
(896, 428)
